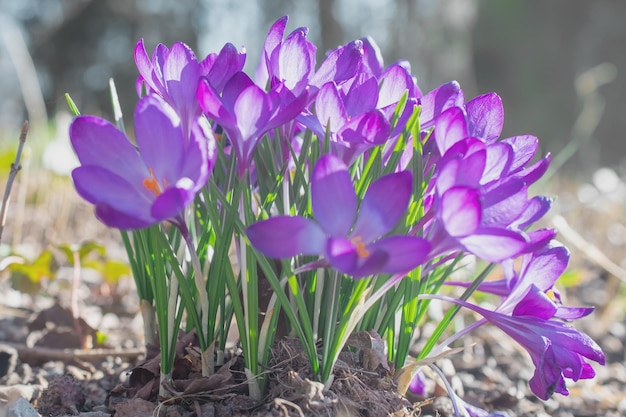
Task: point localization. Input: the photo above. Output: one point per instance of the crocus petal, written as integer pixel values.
(252, 112)
(504, 203)
(396, 81)
(229, 61)
(439, 100)
(547, 378)
(286, 236)
(181, 74)
(333, 197)
(536, 208)
(100, 186)
(385, 202)
(200, 154)
(160, 138)
(341, 254)
(460, 211)
(210, 101)
(532, 173)
(538, 239)
(341, 64)
(405, 253)
(524, 148)
(572, 313)
(120, 220)
(171, 202)
(295, 63)
(495, 245)
(329, 107)
(535, 303)
(499, 157)
(450, 128)
(371, 128)
(485, 117)
(362, 95)
(372, 57)
(273, 40)
(97, 142)
(145, 67)
(546, 266)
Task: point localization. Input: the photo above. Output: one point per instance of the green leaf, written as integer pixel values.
(72, 105)
(27, 277)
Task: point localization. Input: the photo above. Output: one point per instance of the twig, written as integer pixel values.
(15, 167)
(43, 353)
(588, 249)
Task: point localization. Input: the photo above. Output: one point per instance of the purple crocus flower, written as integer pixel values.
(133, 189)
(557, 350)
(481, 192)
(174, 74)
(290, 61)
(353, 122)
(349, 240)
(527, 314)
(246, 112)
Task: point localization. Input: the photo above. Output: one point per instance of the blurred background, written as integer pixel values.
(552, 62)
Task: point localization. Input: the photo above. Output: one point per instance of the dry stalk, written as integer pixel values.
(15, 167)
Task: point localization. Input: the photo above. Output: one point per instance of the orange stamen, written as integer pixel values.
(152, 184)
(361, 249)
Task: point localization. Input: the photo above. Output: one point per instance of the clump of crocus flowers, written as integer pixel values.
(349, 191)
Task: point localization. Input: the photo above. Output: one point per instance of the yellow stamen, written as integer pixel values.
(551, 295)
(361, 249)
(152, 184)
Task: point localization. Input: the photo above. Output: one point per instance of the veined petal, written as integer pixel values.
(546, 266)
(286, 236)
(362, 96)
(329, 107)
(160, 138)
(524, 148)
(181, 74)
(405, 253)
(145, 67)
(372, 57)
(531, 174)
(229, 61)
(494, 244)
(333, 197)
(460, 211)
(383, 205)
(173, 200)
(439, 100)
(371, 128)
(295, 63)
(200, 154)
(572, 313)
(498, 163)
(100, 186)
(485, 117)
(535, 303)
(395, 82)
(537, 207)
(120, 220)
(98, 143)
(341, 64)
(450, 128)
(210, 102)
(342, 254)
(252, 111)
(503, 204)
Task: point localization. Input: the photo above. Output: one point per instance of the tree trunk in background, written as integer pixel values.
(331, 33)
